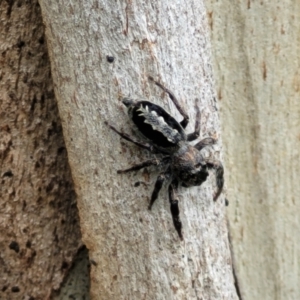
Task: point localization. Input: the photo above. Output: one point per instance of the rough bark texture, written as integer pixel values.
(38, 217)
(76, 284)
(256, 57)
(136, 253)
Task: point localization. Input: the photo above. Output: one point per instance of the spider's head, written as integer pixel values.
(189, 167)
(194, 177)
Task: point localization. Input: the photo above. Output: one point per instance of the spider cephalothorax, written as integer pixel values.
(183, 163)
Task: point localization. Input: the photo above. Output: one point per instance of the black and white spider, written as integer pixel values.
(183, 163)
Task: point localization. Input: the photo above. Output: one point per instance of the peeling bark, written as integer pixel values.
(256, 59)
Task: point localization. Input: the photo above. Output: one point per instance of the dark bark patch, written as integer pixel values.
(14, 246)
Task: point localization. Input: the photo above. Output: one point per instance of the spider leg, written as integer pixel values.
(128, 138)
(158, 185)
(173, 198)
(205, 142)
(186, 118)
(194, 135)
(218, 167)
(144, 164)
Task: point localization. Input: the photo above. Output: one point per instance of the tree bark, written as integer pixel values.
(38, 217)
(256, 58)
(137, 254)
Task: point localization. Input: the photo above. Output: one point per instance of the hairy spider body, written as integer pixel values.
(188, 166)
(183, 163)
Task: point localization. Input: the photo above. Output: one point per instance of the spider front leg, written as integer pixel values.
(158, 185)
(205, 142)
(186, 118)
(173, 198)
(219, 169)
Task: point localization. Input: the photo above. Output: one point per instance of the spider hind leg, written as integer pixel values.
(126, 137)
(194, 135)
(186, 118)
(144, 164)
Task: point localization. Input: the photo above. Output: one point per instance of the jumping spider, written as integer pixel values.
(183, 163)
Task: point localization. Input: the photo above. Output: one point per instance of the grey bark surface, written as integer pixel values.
(39, 228)
(256, 52)
(137, 254)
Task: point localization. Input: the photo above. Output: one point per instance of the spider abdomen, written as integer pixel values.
(156, 124)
